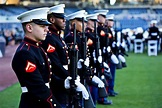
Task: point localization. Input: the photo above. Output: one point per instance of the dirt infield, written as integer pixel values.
(7, 76)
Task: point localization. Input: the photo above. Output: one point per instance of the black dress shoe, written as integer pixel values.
(113, 94)
(105, 102)
(116, 93)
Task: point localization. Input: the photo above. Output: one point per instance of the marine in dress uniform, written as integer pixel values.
(57, 51)
(110, 23)
(139, 33)
(153, 31)
(103, 35)
(91, 42)
(78, 18)
(31, 64)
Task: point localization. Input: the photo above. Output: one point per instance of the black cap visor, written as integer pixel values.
(103, 15)
(94, 20)
(59, 15)
(110, 19)
(81, 19)
(41, 22)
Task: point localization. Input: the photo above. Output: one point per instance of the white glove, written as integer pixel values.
(104, 49)
(121, 58)
(123, 44)
(113, 44)
(79, 63)
(118, 44)
(81, 87)
(78, 78)
(86, 62)
(106, 66)
(114, 59)
(100, 59)
(98, 81)
(67, 82)
(108, 49)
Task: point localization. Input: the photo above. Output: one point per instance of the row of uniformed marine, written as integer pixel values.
(41, 60)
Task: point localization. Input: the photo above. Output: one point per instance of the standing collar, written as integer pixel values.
(54, 31)
(32, 42)
(89, 30)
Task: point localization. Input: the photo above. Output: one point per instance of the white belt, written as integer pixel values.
(154, 34)
(25, 89)
(65, 66)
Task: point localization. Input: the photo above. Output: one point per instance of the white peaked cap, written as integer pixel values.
(154, 22)
(92, 16)
(78, 14)
(57, 9)
(102, 12)
(139, 30)
(38, 13)
(110, 16)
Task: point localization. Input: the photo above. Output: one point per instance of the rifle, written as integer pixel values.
(98, 66)
(75, 96)
(107, 54)
(87, 103)
(123, 52)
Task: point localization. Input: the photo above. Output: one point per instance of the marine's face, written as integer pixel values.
(60, 23)
(91, 25)
(110, 23)
(79, 25)
(101, 19)
(37, 32)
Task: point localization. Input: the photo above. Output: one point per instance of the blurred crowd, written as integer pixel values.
(151, 33)
(12, 36)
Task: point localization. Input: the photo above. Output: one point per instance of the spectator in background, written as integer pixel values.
(139, 33)
(9, 36)
(153, 31)
(19, 35)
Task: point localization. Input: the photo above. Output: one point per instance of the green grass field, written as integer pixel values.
(139, 85)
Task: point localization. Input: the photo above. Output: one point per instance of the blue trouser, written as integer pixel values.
(111, 82)
(94, 93)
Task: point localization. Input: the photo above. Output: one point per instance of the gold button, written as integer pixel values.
(50, 66)
(50, 73)
(48, 59)
(54, 104)
(50, 80)
(51, 100)
(43, 63)
(26, 44)
(45, 53)
(37, 44)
